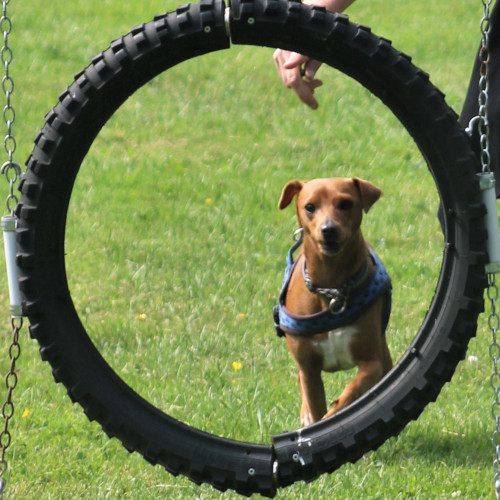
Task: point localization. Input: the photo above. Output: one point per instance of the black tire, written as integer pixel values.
(72, 126)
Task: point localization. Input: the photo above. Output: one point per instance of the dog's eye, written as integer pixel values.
(345, 205)
(310, 208)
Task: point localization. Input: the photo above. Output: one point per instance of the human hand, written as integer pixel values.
(298, 73)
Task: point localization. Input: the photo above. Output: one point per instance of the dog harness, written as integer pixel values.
(353, 300)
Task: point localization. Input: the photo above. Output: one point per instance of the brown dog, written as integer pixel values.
(335, 301)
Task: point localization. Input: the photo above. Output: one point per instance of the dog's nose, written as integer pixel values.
(329, 230)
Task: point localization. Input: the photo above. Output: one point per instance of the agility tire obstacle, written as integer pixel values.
(69, 131)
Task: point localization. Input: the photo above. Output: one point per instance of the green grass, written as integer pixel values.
(176, 248)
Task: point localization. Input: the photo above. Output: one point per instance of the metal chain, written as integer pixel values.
(12, 172)
(10, 169)
(494, 325)
(484, 57)
(8, 406)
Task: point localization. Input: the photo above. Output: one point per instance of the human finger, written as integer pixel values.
(289, 68)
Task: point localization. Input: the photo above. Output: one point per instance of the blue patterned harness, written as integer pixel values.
(356, 303)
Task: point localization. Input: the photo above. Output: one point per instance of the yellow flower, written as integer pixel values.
(237, 366)
(242, 315)
(26, 412)
(142, 316)
(208, 201)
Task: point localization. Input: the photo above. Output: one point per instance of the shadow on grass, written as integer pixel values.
(455, 448)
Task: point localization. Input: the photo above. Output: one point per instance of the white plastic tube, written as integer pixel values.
(487, 185)
(9, 240)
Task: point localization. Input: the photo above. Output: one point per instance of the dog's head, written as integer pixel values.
(330, 210)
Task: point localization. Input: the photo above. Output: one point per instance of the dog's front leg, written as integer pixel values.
(312, 391)
(369, 373)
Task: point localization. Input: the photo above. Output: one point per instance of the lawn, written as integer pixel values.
(175, 253)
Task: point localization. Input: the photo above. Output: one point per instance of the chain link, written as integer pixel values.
(10, 168)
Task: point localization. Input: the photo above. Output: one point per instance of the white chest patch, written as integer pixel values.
(334, 349)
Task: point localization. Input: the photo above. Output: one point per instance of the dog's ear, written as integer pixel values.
(369, 193)
(289, 191)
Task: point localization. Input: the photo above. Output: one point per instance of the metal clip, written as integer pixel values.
(472, 124)
(298, 234)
